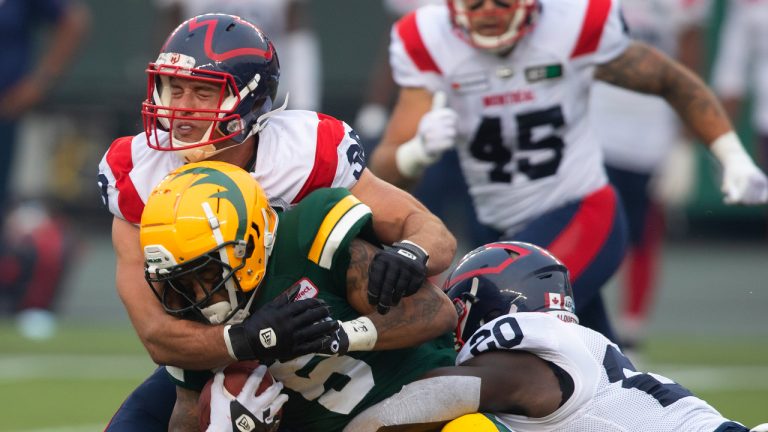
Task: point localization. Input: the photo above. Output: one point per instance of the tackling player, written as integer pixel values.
(211, 95)
(215, 251)
(525, 359)
(517, 75)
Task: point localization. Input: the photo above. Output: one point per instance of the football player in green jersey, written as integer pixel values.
(215, 251)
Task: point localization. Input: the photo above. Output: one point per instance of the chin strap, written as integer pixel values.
(213, 221)
(261, 122)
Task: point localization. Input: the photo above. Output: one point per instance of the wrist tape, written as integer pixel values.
(728, 146)
(362, 334)
(411, 158)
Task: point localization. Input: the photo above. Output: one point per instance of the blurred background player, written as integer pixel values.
(442, 189)
(288, 24)
(640, 137)
(34, 245)
(740, 72)
(517, 76)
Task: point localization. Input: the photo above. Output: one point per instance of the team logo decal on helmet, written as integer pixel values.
(508, 277)
(239, 65)
(230, 193)
(207, 231)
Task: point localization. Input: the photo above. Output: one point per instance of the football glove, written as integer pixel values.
(436, 133)
(281, 330)
(247, 411)
(743, 182)
(396, 272)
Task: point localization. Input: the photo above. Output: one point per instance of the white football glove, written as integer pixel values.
(246, 411)
(743, 182)
(436, 134)
(760, 428)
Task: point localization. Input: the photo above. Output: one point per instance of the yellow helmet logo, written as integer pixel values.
(230, 193)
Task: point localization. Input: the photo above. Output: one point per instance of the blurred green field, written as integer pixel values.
(74, 382)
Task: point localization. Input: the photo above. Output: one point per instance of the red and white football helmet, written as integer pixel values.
(523, 16)
(218, 49)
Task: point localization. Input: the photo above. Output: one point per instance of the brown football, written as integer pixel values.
(235, 376)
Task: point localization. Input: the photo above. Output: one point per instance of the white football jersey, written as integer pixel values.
(609, 394)
(638, 130)
(297, 152)
(742, 57)
(524, 140)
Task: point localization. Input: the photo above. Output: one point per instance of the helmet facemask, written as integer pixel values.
(522, 15)
(197, 290)
(225, 123)
(229, 54)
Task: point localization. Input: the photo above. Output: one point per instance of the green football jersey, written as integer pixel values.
(311, 252)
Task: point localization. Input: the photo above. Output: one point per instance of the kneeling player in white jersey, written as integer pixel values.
(211, 95)
(525, 358)
(517, 75)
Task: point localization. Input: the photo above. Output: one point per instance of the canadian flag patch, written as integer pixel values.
(554, 301)
(306, 290)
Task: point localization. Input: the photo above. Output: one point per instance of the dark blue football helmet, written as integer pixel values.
(220, 50)
(508, 277)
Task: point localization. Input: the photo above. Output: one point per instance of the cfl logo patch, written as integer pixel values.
(268, 337)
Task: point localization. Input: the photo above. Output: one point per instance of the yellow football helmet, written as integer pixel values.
(207, 231)
(477, 422)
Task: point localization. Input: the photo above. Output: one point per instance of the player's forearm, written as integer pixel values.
(398, 216)
(186, 344)
(185, 413)
(415, 320)
(429, 232)
(644, 69)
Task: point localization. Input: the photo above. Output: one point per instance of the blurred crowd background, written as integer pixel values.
(333, 54)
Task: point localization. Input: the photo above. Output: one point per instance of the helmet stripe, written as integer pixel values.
(492, 270)
(208, 43)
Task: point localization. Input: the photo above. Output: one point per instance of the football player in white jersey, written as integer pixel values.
(517, 75)
(636, 155)
(525, 359)
(211, 95)
(742, 64)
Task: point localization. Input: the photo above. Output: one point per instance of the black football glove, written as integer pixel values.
(282, 330)
(336, 343)
(396, 272)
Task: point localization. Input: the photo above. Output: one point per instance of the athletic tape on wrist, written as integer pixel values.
(362, 334)
(727, 146)
(411, 158)
(228, 342)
